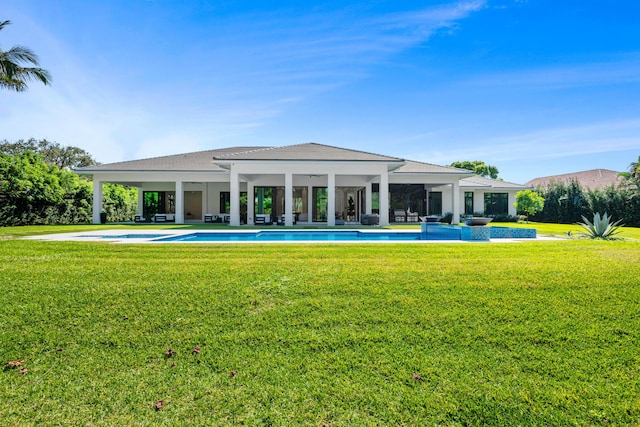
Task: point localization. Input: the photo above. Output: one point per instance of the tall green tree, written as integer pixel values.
(51, 152)
(633, 174)
(15, 71)
(529, 202)
(478, 167)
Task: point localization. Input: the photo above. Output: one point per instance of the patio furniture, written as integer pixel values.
(210, 218)
(412, 216)
(140, 218)
(164, 218)
(262, 219)
(281, 220)
(399, 215)
(369, 219)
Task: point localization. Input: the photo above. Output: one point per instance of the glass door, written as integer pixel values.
(320, 200)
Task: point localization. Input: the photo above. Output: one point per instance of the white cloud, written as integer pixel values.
(233, 86)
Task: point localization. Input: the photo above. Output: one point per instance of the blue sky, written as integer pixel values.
(535, 87)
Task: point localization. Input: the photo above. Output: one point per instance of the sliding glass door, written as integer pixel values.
(320, 198)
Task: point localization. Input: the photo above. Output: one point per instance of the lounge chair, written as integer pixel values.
(164, 218)
(399, 215)
(140, 218)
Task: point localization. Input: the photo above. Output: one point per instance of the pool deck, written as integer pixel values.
(146, 237)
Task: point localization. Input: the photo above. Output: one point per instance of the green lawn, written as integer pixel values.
(535, 333)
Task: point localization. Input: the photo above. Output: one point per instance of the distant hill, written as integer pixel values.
(595, 179)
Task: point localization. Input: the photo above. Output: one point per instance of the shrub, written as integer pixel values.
(503, 218)
(447, 218)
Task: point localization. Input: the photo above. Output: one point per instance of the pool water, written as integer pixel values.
(428, 232)
(283, 236)
(134, 236)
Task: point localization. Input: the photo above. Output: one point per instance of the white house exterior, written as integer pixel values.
(302, 184)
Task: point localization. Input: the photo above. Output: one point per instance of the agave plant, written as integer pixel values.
(601, 227)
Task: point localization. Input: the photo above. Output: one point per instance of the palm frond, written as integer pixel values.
(14, 74)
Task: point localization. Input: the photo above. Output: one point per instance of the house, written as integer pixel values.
(594, 179)
(304, 184)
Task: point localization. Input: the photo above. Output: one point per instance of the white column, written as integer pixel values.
(455, 197)
(310, 204)
(288, 199)
(251, 201)
(97, 200)
(331, 202)
(511, 197)
(428, 205)
(478, 201)
(235, 199)
(384, 198)
(368, 199)
(205, 199)
(179, 203)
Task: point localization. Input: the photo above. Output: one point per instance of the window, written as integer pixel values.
(468, 202)
(264, 200)
(300, 200)
(496, 203)
(158, 202)
(375, 198)
(407, 197)
(320, 197)
(225, 202)
(435, 203)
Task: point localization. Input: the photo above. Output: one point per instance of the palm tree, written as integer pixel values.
(13, 75)
(634, 170)
(633, 175)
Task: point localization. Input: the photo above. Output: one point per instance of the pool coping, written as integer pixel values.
(111, 236)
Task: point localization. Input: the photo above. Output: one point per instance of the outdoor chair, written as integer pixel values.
(412, 216)
(399, 215)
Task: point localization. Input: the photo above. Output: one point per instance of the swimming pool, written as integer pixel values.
(427, 232)
(133, 236)
(293, 236)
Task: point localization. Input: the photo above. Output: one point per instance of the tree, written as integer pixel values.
(633, 174)
(52, 153)
(13, 75)
(34, 192)
(529, 202)
(478, 167)
(29, 189)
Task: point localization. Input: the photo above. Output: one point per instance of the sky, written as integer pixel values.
(533, 87)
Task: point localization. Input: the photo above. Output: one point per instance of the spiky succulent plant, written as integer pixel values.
(601, 228)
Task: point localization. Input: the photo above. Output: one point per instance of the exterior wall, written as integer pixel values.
(478, 198)
(512, 200)
(300, 174)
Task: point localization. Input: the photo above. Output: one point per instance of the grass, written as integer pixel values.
(539, 333)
